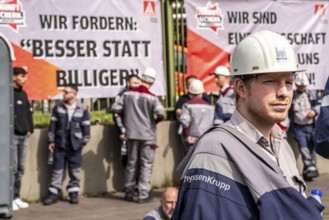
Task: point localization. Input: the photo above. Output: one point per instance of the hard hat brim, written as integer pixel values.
(217, 74)
(264, 72)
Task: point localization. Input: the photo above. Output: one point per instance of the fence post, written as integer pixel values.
(168, 50)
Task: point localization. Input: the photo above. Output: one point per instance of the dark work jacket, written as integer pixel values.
(61, 131)
(321, 134)
(23, 121)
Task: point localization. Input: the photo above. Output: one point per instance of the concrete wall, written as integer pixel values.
(102, 170)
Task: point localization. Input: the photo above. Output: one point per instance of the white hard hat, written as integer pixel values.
(263, 52)
(149, 75)
(301, 79)
(196, 87)
(222, 70)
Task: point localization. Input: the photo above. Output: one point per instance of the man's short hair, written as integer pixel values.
(190, 77)
(132, 76)
(19, 70)
(73, 86)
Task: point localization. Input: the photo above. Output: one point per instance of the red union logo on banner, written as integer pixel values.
(210, 17)
(11, 14)
(320, 11)
(149, 7)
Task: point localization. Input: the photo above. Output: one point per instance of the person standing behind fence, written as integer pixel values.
(132, 81)
(139, 106)
(184, 98)
(197, 115)
(23, 128)
(225, 104)
(68, 133)
(244, 168)
(305, 107)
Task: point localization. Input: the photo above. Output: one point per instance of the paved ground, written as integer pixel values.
(113, 207)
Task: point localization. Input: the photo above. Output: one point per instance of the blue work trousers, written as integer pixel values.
(73, 160)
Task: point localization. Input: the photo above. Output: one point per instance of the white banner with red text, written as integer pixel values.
(215, 27)
(92, 44)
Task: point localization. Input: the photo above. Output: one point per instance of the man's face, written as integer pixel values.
(220, 80)
(19, 79)
(69, 94)
(168, 203)
(268, 98)
(134, 82)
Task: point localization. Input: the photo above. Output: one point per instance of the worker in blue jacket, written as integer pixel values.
(245, 168)
(304, 109)
(225, 105)
(69, 131)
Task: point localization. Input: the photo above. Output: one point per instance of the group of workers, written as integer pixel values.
(240, 165)
(238, 162)
(245, 168)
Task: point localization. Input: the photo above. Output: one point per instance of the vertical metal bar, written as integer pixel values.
(98, 104)
(180, 58)
(183, 37)
(177, 40)
(165, 49)
(169, 44)
(91, 104)
(50, 105)
(108, 104)
(182, 43)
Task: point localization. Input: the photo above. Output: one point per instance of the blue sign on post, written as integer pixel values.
(6, 129)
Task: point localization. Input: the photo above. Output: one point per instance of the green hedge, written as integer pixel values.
(42, 120)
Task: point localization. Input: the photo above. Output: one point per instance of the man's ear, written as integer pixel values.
(240, 88)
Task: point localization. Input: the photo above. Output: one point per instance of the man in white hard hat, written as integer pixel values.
(225, 105)
(197, 115)
(186, 97)
(244, 168)
(305, 107)
(140, 107)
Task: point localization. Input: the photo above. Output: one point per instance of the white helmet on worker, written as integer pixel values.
(263, 52)
(301, 79)
(221, 71)
(149, 75)
(196, 87)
